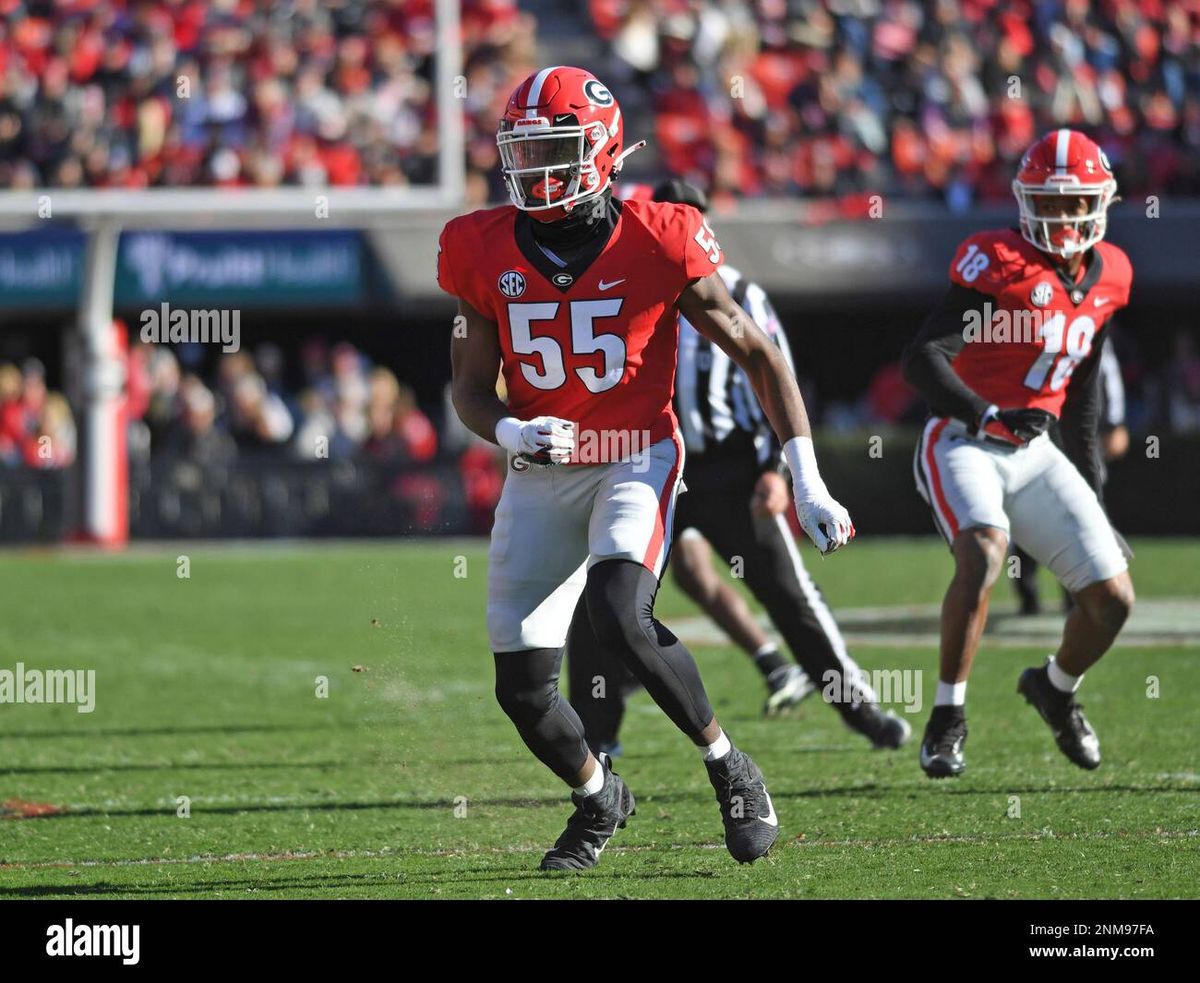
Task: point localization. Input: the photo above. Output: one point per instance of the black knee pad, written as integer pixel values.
(527, 690)
(527, 684)
(620, 602)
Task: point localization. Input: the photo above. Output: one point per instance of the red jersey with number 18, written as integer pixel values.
(1041, 326)
(589, 341)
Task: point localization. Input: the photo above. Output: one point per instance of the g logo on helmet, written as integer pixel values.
(511, 283)
(596, 93)
(1104, 162)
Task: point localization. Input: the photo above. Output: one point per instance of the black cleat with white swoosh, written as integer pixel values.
(1072, 732)
(595, 820)
(751, 826)
(942, 746)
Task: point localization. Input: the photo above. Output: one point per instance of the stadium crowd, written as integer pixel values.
(228, 92)
(940, 98)
(193, 427)
(821, 98)
(345, 408)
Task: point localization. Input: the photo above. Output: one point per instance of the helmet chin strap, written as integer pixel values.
(620, 161)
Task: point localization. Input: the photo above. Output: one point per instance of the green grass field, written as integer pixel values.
(408, 781)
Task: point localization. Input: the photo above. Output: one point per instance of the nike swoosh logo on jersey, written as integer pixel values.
(1101, 301)
(770, 819)
(606, 286)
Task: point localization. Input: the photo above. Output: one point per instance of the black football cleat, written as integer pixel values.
(787, 687)
(751, 826)
(1064, 717)
(595, 820)
(942, 746)
(882, 728)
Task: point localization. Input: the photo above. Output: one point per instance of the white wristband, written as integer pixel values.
(802, 462)
(508, 433)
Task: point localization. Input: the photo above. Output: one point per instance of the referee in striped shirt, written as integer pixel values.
(736, 498)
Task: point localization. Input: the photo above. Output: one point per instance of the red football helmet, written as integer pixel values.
(1062, 163)
(560, 141)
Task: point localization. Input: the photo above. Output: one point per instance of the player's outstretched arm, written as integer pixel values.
(710, 309)
(475, 359)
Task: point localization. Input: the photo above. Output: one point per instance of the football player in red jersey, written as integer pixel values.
(1014, 345)
(575, 297)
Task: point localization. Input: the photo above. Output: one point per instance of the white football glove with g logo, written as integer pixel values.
(821, 517)
(544, 440)
(825, 522)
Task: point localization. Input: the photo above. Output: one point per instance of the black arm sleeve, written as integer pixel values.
(1080, 423)
(926, 360)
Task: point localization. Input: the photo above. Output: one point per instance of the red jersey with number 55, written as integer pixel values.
(593, 341)
(1042, 325)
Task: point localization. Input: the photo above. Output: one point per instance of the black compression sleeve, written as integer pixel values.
(926, 360)
(620, 603)
(1080, 424)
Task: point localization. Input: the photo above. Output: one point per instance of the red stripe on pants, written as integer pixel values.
(664, 505)
(935, 479)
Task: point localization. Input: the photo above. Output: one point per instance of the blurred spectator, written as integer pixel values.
(257, 417)
(164, 377)
(53, 440)
(419, 435)
(397, 429)
(37, 428)
(14, 428)
(483, 480)
(194, 435)
(889, 399)
(312, 436)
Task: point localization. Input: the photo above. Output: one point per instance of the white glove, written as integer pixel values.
(543, 440)
(823, 520)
